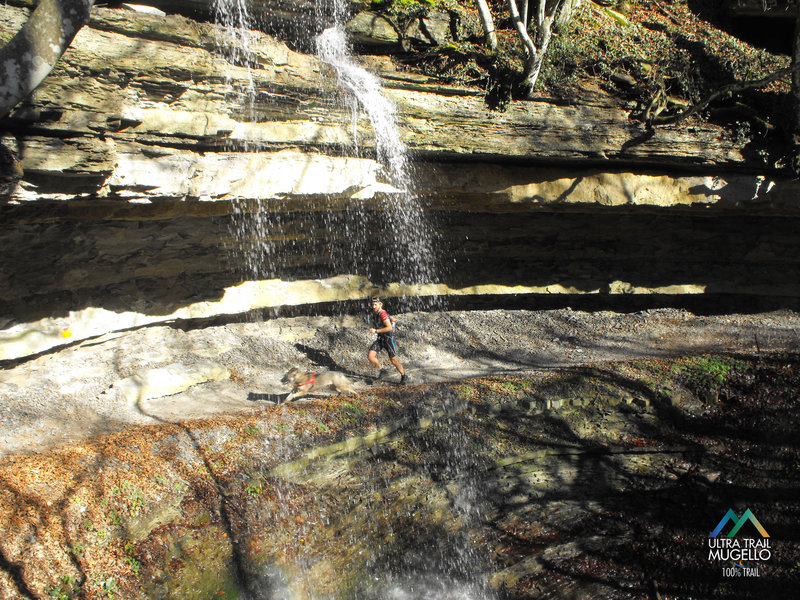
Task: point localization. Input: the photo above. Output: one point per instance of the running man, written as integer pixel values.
(382, 325)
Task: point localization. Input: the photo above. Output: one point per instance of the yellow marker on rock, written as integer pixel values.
(66, 332)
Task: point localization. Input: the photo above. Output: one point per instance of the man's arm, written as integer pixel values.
(387, 326)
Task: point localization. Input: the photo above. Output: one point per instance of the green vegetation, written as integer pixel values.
(67, 589)
(106, 586)
(351, 412)
(518, 385)
(405, 6)
(77, 550)
(465, 392)
(652, 54)
(709, 372)
(254, 488)
(655, 60)
(129, 499)
(131, 559)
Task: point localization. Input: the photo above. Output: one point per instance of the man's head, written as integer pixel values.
(377, 304)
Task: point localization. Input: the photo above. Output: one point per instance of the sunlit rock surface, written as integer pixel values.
(172, 244)
(140, 183)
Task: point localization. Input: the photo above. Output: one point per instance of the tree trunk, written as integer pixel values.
(524, 12)
(534, 67)
(31, 54)
(534, 56)
(522, 33)
(488, 24)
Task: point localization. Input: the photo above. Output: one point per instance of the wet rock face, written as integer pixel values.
(131, 179)
(158, 265)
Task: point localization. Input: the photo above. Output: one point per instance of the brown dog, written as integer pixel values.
(305, 382)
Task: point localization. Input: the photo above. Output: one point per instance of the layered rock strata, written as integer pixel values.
(154, 177)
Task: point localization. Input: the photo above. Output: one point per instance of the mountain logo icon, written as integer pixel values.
(738, 522)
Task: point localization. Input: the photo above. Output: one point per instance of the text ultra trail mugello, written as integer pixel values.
(743, 549)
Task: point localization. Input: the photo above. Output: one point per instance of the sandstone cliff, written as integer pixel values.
(157, 176)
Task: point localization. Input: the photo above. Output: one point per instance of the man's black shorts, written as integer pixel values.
(385, 342)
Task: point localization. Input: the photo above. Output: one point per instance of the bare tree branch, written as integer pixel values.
(488, 24)
(724, 91)
(522, 31)
(666, 12)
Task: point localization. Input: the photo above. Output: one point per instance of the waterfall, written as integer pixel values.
(412, 258)
(234, 38)
(249, 228)
(387, 238)
(382, 234)
(365, 90)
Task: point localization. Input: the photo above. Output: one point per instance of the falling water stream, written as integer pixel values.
(442, 566)
(409, 232)
(383, 235)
